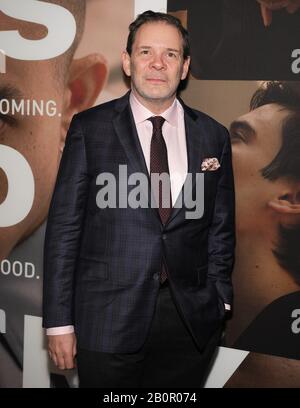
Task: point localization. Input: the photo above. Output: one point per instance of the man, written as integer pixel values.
(73, 85)
(266, 279)
(144, 288)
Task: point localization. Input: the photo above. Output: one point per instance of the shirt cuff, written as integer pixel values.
(227, 306)
(54, 331)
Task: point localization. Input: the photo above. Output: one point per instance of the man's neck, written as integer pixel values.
(258, 280)
(156, 106)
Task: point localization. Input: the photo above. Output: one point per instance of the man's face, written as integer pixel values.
(156, 63)
(37, 138)
(256, 139)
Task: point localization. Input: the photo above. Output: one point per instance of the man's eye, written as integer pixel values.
(7, 120)
(171, 54)
(236, 137)
(144, 52)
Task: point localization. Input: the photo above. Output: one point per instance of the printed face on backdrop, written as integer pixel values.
(63, 88)
(262, 205)
(42, 67)
(256, 139)
(156, 65)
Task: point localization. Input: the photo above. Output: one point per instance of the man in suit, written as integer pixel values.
(139, 292)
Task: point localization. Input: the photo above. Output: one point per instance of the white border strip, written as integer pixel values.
(226, 363)
(156, 5)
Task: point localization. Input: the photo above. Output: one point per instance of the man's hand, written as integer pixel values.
(62, 350)
(268, 6)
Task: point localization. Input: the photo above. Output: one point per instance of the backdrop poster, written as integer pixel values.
(56, 60)
(238, 45)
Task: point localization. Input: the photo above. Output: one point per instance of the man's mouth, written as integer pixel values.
(156, 80)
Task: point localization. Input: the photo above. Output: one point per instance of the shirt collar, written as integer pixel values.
(141, 113)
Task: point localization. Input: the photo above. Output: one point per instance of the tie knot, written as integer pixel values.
(157, 122)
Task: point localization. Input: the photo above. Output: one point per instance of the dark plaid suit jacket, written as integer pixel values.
(101, 266)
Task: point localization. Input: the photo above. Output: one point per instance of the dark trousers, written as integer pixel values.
(169, 357)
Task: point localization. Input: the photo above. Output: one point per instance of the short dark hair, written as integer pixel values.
(286, 163)
(153, 17)
(286, 94)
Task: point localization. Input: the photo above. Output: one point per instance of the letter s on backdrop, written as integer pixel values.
(59, 21)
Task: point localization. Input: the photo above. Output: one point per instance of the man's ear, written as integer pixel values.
(87, 78)
(185, 68)
(126, 63)
(288, 202)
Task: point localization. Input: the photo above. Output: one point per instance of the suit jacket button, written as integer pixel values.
(164, 236)
(156, 276)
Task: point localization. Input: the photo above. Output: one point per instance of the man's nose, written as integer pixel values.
(158, 62)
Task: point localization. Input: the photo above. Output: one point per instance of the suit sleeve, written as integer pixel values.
(63, 232)
(221, 240)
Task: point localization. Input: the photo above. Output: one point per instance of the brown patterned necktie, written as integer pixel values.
(159, 165)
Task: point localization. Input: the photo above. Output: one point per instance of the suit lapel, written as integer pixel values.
(193, 133)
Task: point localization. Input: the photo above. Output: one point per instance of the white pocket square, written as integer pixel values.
(210, 164)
